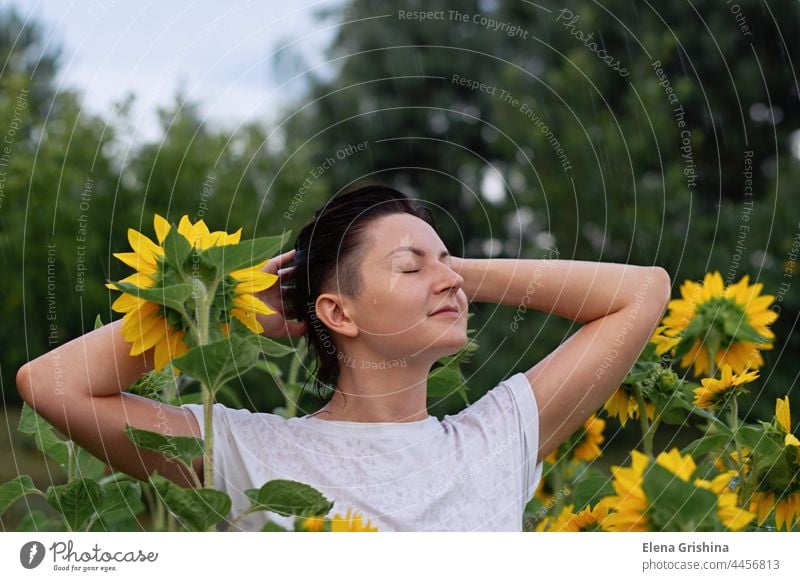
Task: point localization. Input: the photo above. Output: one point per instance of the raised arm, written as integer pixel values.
(79, 388)
(619, 305)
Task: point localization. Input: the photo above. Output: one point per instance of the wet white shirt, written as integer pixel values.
(473, 471)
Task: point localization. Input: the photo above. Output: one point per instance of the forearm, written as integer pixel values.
(95, 364)
(575, 289)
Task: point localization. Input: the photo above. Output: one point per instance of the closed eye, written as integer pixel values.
(410, 271)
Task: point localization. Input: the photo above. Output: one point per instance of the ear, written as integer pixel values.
(332, 311)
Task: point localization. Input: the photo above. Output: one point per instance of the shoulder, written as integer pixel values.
(512, 396)
(236, 419)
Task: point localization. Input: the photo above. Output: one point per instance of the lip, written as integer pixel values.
(451, 312)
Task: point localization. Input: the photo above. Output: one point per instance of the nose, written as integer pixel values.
(449, 278)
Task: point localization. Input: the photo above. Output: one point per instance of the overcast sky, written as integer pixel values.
(220, 52)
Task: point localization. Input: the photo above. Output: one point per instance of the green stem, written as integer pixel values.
(647, 435)
(237, 519)
(292, 395)
(70, 460)
(202, 307)
(208, 411)
(712, 366)
(740, 460)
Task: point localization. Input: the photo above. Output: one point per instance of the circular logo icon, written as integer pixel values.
(31, 554)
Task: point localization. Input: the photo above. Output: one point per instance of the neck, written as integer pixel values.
(379, 390)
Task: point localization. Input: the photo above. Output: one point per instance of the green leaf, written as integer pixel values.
(11, 491)
(46, 440)
(121, 496)
(235, 256)
(39, 521)
(173, 296)
(739, 329)
(98, 322)
(88, 465)
(176, 248)
(707, 444)
(217, 363)
(154, 383)
(76, 501)
(444, 381)
(269, 347)
(287, 498)
(30, 422)
(671, 411)
(273, 527)
(676, 505)
(718, 424)
(764, 450)
(270, 367)
(197, 508)
(181, 448)
(227, 393)
(593, 486)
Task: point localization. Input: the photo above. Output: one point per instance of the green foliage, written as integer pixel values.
(676, 505)
(197, 508)
(288, 498)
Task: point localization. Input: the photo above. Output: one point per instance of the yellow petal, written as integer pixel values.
(255, 282)
(243, 271)
(185, 227)
(780, 514)
(161, 226)
(782, 414)
(251, 303)
(234, 238)
(137, 261)
(249, 319)
(138, 322)
(791, 440)
(149, 339)
(141, 244)
(127, 303)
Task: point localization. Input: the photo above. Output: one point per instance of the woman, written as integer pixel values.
(380, 300)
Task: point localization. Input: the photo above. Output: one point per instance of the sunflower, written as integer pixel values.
(623, 405)
(729, 321)
(787, 508)
(631, 504)
(587, 520)
(780, 489)
(662, 342)
(544, 491)
(716, 391)
(719, 463)
(350, 523)
(591, 436)
(148, 324)
(313, 523)
(784, 420)
(731, 515)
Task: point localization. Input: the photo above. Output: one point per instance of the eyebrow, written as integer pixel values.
(417, 251)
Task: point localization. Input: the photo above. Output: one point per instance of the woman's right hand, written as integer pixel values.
(279, 324)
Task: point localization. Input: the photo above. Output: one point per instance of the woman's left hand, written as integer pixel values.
(278, 324)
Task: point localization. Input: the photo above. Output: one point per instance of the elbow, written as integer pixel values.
(663, 283)
(24, 383)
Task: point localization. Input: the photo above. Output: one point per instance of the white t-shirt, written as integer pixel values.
(474, 471)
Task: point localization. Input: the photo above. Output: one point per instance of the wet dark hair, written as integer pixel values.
(329, 251)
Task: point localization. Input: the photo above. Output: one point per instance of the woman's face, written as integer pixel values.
(406, 276)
